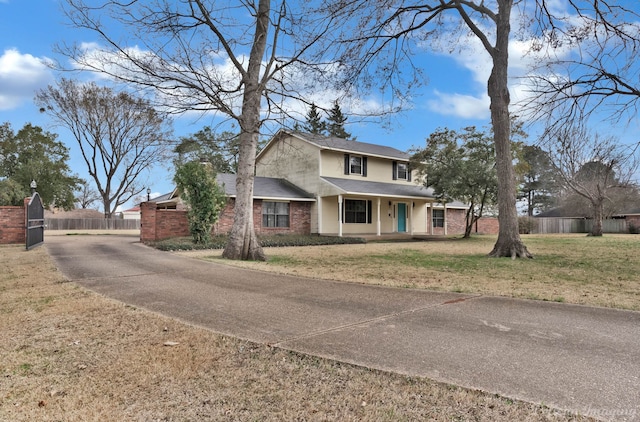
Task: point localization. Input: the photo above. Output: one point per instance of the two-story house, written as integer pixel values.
(315, 184)
(360, 188)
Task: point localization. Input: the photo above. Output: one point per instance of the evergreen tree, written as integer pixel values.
(314, 123)
(335, 122)
(34, 154)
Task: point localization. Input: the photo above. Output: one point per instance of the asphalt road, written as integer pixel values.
(581, 359)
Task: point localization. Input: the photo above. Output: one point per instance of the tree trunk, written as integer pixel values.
(509, 243)
(598, 212)
(243, 242)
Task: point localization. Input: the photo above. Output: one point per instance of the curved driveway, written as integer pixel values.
(582, 359)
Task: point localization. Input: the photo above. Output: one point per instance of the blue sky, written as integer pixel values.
(454, 97)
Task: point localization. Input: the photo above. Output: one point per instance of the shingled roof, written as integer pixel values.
(343, 145)
(363, 187)
(266, 188)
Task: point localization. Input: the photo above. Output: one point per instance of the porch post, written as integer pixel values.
(430, 218)
(446, 223)
(319, 213)
(412, 204)
(378, 222)
(340, 215)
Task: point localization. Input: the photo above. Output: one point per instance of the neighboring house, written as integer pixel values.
(131, 213)
(360, 188)
(632, 217)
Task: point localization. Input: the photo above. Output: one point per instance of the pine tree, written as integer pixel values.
(335, 122)
(314, 123)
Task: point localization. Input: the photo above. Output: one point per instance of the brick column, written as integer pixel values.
(148, 211)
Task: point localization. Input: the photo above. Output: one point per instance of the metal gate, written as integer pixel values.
(35, 221)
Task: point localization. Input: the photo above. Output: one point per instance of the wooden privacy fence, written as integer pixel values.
(577, 225)
(91, 224)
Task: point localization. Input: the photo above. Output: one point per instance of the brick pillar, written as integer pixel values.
(148, 211)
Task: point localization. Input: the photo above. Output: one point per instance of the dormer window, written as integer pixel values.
(401, 171)
(355, 164)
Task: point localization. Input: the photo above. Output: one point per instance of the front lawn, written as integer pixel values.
(599, 271)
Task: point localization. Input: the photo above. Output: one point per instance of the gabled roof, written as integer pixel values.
(362, 187)
(266, 188)
(343, 145)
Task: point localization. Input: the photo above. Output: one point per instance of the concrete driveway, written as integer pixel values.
(581, 359)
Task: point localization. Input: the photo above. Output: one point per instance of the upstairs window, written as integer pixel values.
(401, 171)
(437, 217)
(355, 164)
(275, 214)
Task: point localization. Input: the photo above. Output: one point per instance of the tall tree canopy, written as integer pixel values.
(240, 61)
(219, 150)
(33, 154)
(460, 166)
(120, 135)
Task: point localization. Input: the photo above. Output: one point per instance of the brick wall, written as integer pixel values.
(12, 224)
(456, 221)
(487, 225)
(456, 224)
(159, 224)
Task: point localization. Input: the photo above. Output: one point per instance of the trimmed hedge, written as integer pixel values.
(281, 240)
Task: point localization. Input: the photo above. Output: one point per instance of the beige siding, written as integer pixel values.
(378, 169)
(303, 164)
(388, 217)
(293, 160)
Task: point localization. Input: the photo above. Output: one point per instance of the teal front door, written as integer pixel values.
(402, 217)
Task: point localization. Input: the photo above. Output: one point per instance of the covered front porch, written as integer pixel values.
(358, 214)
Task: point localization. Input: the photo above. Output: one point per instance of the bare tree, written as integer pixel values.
(587, 62)
(593, 167)
(86, 195)
(120, 136)
(388, 29)
(235, 60)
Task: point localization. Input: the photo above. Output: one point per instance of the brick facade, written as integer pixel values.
(158, 224)
(487, 225)
(456, 224)
(13, 224)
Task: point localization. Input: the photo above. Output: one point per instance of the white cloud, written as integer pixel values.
(21, 75)
(460, 105)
